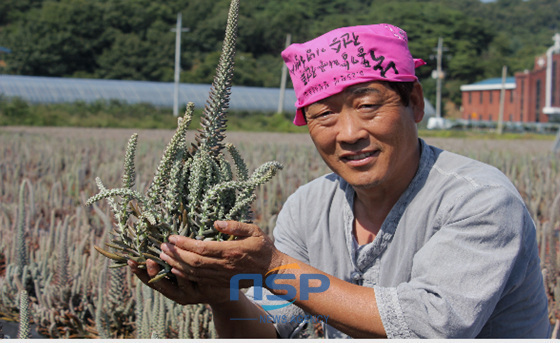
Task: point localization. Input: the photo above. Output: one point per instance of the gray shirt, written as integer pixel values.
(455, 257)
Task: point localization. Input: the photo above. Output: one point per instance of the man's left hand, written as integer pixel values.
(252, 252)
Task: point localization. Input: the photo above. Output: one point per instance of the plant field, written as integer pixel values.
(46, 250)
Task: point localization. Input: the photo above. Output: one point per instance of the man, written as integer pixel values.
(414, 241)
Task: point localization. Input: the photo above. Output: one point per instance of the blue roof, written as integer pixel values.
(6, 50)
(495, 80)
(38, 89)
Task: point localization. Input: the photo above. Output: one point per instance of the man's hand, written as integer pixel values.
(183, 291)
(210, 265)
(210, 262)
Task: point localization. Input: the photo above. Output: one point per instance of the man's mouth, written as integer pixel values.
(359, 156)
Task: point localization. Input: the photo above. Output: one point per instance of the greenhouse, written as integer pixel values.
(37, 89)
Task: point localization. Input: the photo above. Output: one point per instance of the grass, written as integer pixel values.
(118, 114)
(60, 165)
(486, 135)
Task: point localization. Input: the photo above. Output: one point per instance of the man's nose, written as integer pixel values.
(351, 127)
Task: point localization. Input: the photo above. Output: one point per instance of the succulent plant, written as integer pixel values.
(193, 185)
(24, 326)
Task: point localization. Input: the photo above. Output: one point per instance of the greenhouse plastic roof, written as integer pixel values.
(37, 89)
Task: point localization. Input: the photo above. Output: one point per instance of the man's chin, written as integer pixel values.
(365, 185)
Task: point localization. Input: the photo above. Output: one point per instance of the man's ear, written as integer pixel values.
(417, 101)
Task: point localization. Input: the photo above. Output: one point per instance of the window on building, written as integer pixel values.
(481, 96)
(470, 98)
(553, 90)
(490, 95)
(538, 101)
(521, 98)
(511, 96)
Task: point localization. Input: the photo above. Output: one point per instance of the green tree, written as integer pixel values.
(131, 39)
(57, 39)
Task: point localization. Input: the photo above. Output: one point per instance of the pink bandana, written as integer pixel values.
(347, 56)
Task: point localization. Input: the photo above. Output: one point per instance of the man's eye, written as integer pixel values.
(369, 106)
(322, 114)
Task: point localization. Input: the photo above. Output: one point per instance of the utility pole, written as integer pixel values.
(437, 122)
(283, 80)
(439, 77)
(178, 31)
(548, 108)
(502, 101)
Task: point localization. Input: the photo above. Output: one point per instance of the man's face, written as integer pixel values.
(366, 135)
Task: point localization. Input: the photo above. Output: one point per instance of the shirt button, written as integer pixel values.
(356, 276)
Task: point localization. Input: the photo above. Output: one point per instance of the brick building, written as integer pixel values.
(525, 95)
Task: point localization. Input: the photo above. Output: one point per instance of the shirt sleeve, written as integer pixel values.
(460, 274)
(286, 319)
(289, 232)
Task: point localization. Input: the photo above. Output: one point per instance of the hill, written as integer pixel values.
(131, 39)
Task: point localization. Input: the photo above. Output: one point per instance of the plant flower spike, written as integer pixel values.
(192, 187)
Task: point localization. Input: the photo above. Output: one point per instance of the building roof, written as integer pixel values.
(490, 84)
(495, 80)
(37, 89)
(6, 50)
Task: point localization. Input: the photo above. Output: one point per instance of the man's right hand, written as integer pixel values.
(183, 291)
(187, 292)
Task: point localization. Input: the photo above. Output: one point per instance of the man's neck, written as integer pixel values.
(372, 205)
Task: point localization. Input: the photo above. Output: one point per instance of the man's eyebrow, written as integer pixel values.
(363, 90)
(322, 101)
(353, 91)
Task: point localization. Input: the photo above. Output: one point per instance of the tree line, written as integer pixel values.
(132, 39)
